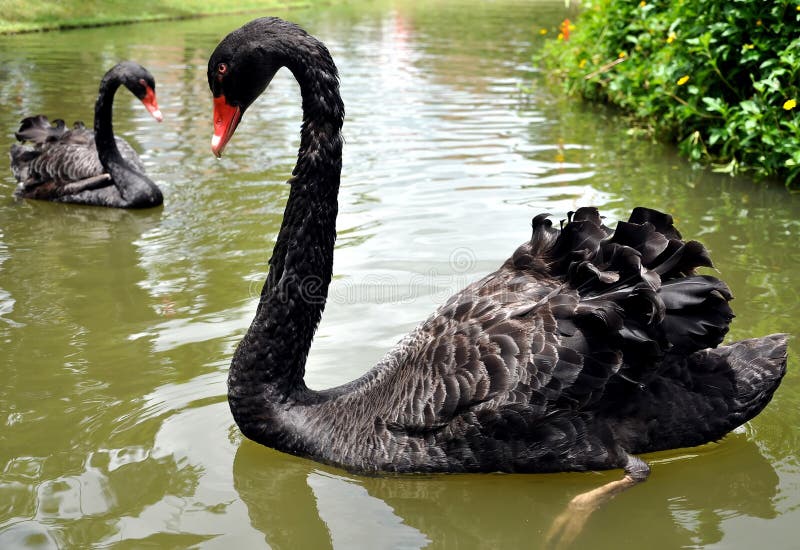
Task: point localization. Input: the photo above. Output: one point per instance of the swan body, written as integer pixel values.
(87, 167)
(587, 346)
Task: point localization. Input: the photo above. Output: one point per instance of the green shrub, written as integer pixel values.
(720, 77)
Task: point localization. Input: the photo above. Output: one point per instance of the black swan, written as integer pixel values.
(84, 167)
(588, 346)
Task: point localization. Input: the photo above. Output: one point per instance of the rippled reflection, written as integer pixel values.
(299, 504)
(116, 328)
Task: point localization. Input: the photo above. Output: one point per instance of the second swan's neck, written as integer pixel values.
(103, 112)
(269, 363)
(136, 190)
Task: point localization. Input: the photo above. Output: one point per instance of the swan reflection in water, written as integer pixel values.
(297, 503)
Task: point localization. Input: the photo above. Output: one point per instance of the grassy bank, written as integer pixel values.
(26, 16)
(722, 79)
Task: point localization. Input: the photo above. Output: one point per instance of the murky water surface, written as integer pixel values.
(116, 328)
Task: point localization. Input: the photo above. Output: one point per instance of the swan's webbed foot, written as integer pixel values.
(569, 523)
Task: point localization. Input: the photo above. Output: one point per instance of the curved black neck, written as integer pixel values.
(135, 189)
(103, 113)
(270, 361)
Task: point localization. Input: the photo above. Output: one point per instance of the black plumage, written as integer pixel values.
(83, 166)
(587, 345)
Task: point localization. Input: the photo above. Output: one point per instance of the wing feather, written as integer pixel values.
(572, 317)
(52, 157)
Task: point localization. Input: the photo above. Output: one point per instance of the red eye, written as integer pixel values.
(142, 82)
(222, 68)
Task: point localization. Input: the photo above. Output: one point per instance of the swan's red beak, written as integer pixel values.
(151, 104)
(226, 119)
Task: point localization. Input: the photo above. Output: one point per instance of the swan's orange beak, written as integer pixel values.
(226, 119)
(151, 104)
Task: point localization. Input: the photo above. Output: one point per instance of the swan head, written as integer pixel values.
(241, 68)
(141, 84)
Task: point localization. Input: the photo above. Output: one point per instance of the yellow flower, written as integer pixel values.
(582, 64)
(683, 80)
(748, 47)
(622, 55)
(642, 4)
(789, 104)
(671, 38)
(560, 36)
(758, 22)
(543, 31)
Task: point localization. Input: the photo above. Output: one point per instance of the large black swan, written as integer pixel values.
(588, 346)
(85, 167)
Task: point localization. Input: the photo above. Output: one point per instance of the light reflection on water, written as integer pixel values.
(118, 326)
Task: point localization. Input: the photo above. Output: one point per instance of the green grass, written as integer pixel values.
(42, 15)
(719, 78)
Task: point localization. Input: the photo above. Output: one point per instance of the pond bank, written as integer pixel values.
(19, 16)
(718, 80)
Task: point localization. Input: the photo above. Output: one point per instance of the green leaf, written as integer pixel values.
(715, 105)
(749, 106)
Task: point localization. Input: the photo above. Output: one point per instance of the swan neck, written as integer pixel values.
(103, 113)
(270, 361)
(136, 190)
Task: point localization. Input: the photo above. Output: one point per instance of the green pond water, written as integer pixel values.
(116, 327)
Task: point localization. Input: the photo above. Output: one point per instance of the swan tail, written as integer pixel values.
(21, 157)
(758, 366)
(703, 396)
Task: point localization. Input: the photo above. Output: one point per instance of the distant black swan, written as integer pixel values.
(586, 347)
(85, 167)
